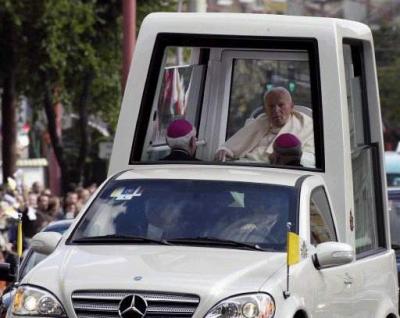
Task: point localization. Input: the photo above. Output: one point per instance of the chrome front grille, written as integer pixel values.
(105, 304)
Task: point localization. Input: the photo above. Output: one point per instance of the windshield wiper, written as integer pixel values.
(207, 240)
(120, 239)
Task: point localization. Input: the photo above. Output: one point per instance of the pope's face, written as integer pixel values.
(278, 106)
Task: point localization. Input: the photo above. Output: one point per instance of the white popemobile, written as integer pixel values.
(241, 238)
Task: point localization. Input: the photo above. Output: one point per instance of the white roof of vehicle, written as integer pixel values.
(218, 173)
(249, 24)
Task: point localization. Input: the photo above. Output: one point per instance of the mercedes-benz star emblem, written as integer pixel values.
(132, 306)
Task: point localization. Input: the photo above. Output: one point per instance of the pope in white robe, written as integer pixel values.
(254, 142)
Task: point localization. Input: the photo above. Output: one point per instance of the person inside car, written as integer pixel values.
(255, 140)
(181, 138)
(287, 151)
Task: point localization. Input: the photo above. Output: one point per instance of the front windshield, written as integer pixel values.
(183, 211)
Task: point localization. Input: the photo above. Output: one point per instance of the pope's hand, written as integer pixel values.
(222, 155)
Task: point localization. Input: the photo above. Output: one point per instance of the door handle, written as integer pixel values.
(348, 280)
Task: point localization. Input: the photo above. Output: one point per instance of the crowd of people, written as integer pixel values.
(37, 206)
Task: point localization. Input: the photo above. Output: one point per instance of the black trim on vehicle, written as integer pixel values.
(375, 251)
(380, 219)
(204, 57)
(316, 99)
(225, 41)
(330, 208)
(298, 185)
(255, 164)
(315, 261)
(357, 55)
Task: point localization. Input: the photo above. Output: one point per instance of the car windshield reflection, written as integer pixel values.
(187, 212)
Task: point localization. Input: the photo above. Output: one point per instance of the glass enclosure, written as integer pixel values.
(221, 91)
(368, 205)
(252, 78)
(178, 97)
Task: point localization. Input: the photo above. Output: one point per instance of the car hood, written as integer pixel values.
(185, 269)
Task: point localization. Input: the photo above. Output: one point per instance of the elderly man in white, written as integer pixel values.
(254, 141)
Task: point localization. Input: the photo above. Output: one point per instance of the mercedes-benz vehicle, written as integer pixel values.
(204, 241)
(30, 260)
(245, 238)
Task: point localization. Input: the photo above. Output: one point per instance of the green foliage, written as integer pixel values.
(387, 51)
(63, 46)
(389, 78)
(144, 7)
(387, 44)
(11, 34)
(63, 40)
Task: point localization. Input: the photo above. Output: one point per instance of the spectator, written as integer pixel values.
(43, 203)
(83, 197)
(34, 216)
(47, 192)
(54, 209)
(71, 205)
(31, 206)
(37, 187)
(92, 188)
(70, 210)
(72, 197)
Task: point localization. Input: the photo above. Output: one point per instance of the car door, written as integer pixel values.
(375, 281)
(332, 287)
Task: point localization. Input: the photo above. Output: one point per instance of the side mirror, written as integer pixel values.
(6, 273)
(331, 254)
(45, 242)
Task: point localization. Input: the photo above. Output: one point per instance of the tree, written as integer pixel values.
(387, 44)
(10, 30)
(69, 52)
(390, 93)
(60, 31)
(144, 7)
(387, 50)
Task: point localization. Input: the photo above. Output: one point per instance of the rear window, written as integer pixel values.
(176, 209)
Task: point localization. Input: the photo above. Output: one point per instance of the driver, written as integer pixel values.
(261, 222)
(163, 215)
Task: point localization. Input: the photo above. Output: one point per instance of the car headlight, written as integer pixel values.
(32, 301)
(245, 306)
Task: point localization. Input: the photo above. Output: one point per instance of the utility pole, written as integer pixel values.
(129, 36)
(197, 6)
(9, 105)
